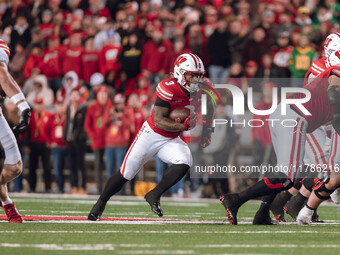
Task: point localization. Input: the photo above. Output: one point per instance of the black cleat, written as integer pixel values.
(294, 206)
(154, 204)
(316, 219)
(262, 216)
(231, 205)
(97, 211)
(277, 206)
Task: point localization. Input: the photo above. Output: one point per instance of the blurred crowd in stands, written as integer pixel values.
(89, 68)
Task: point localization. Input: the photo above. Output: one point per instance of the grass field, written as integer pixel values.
(188, 227)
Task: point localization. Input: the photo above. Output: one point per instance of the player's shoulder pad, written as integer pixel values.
(166, 89)
(335, 70)
(4, 52)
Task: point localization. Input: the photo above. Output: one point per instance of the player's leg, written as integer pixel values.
(322, 190)
(281, 199)
(177, 153)
(12, 167)
(144, 147)
(316, 156)
(288, 144)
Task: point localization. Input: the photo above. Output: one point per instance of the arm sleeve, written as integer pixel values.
(160, 102)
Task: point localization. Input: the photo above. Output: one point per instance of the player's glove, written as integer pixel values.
(24, 121)
(190, 121)
(206, 134)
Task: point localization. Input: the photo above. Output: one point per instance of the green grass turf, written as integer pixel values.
(96, 238)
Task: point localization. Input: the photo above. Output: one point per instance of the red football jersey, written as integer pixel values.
(317, 67)
(170, 91)
(322, 112)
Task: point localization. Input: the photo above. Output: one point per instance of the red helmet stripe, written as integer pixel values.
(192, 55)
(338, 34)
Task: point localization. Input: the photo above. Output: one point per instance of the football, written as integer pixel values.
(179, 114)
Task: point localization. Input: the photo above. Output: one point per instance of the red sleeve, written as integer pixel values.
(29, 65)
(89, 123)
(46, 131)
(164, 92)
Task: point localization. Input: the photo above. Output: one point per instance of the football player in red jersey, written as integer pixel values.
(12, 166)
(331, 183)
(317, 146)
(159, 136)
(289, 145)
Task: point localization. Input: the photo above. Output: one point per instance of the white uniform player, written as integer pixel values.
(316, 150)
(327, 186)
(12, 164)
(159, 135)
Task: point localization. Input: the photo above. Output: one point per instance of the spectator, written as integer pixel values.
(120, 124)
(281, 53)
(285, 24)
(40, 90)
(130, 57)
(16, 9)
(303, 18)
(178, 49)
(46, 27)
(20, 32)
(256, 47)
(53, 132)
(268, 72)
(135, 108)
(70, 82)
(37, 146)
(51, 66)
(97, 7)
(108, 56)
(300, 61)
(211, 21)
(236, 40)
(76, 137)
(16, 65)
(154, 53)
(101, 37)
(196, 42)
(220, 57)
(97, 80)
(267, 23)
(89, 61)
(71, 58)
(33, 61)
(95, 129)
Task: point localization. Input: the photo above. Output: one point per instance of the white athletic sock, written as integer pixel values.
(7, 201)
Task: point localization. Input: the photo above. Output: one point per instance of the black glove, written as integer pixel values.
(24, 121)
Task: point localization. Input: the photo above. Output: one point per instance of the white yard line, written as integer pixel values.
(157, 252)
(119, 203)
(161, 232)
(267, 246)
(80, 247)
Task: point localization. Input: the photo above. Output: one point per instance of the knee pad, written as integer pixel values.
(308, 183)
(298, 183)
(320, 187)
(278, 184)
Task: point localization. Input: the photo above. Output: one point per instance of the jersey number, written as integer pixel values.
(170, 83)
